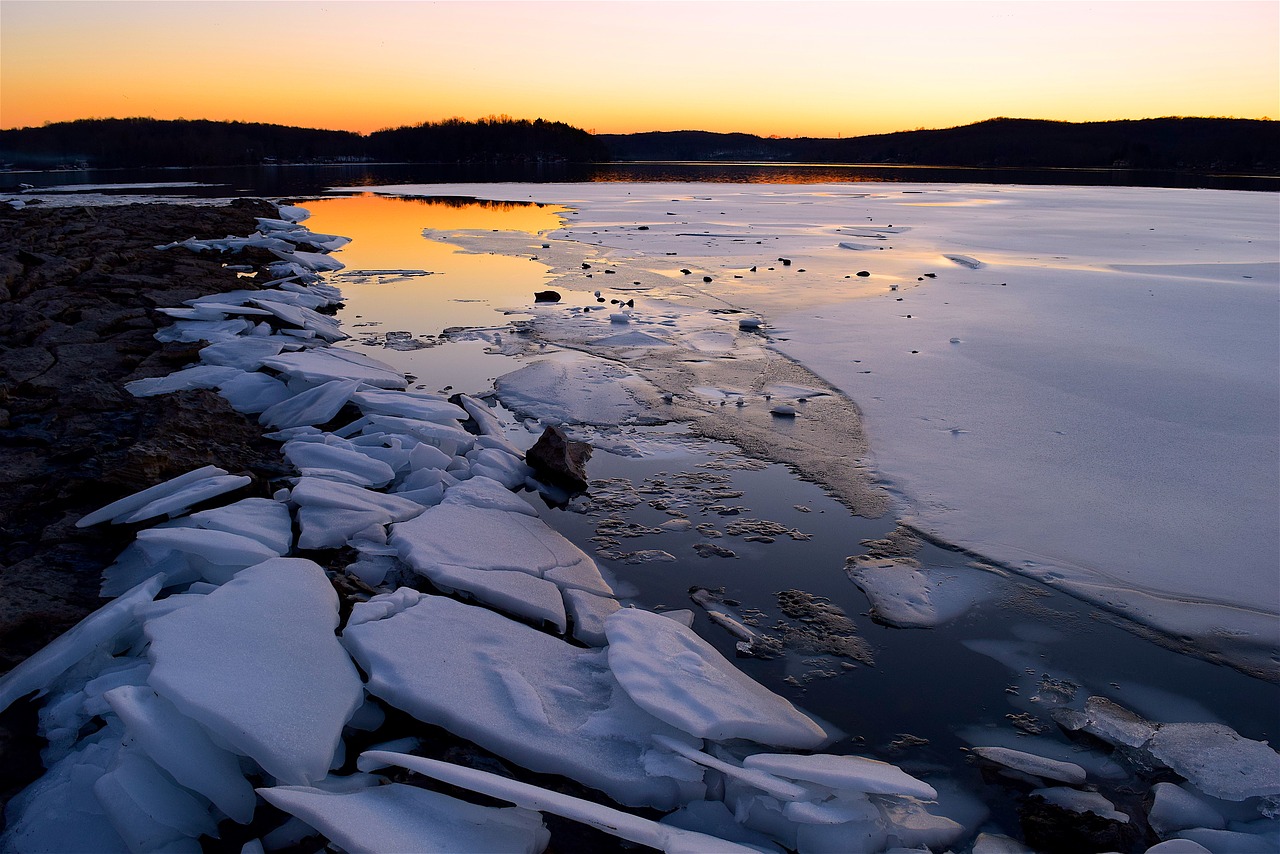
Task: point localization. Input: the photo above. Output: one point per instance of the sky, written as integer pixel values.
(835, 68)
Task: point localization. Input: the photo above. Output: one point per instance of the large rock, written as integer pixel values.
(559, 461)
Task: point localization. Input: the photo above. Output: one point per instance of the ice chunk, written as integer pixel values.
(423, 407)
(148, 811)
(200, 376)
(1110, 722)
(1029, 763)
(487, 493)
(615, 822)
(904, 595)
(912, 826)
(1082, 802)
(1172, 846)
(577, 390)
(679, 678)
(251, 393)
(262, 519)
(359, 468)
(59, 811)
(1174, 808)
(588, 612)
(314, 406)
(98, 630)
(256, 662)
(179, 501)
(1217, 760)
(450, 440)
(245, 353)
(213, 331)
(525, 695)
(773, 786)
(475, 537)
(315, 261)
(843, 773)
(397, 817)
(322, 364)
(331, 512)
(183, 748)
(131, 503)
(995, 843)
(514, 592)
(1227, 841)
(217, 547)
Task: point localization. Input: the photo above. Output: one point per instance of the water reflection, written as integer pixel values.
(403, 289)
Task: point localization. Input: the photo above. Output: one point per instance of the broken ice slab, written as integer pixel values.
(681, 679)
(668, 838)
(131, 503)
(184, 749)
(1217, 760)
(515, 593)
(245, 353)
(843, 773)
(424, 407)
(215, 555)
(1036, 766)
(398, 817)
(322, 364)
(302, 317)
(904, 595)
(331, 512)
(459, 535)
(354, 467)
(1078, 801)
(314, 406)
(262, 519)
(148, 810)
(451, 440)
(257, 664)
(199, 376)
(525, 695)
(487, 493)
(588, 612)
(252, 393)
(179, 501)
(98, 630)
(213, 331)
(314, 261)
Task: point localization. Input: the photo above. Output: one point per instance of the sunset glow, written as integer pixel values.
(792, 69)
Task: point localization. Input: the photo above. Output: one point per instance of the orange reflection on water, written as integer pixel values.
(464, 290)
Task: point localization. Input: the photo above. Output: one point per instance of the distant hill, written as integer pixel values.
(1171, 143)
(110, 143)
(1199, 144)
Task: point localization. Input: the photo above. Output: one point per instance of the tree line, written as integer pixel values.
(1212, 144)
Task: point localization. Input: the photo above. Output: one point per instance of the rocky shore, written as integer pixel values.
(78, 289)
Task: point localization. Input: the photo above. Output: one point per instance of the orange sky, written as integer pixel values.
(788, 68)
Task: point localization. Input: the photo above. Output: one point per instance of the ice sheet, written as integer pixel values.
(256, 662)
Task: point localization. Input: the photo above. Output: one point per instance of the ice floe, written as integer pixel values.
(256, 662)
(679, 678)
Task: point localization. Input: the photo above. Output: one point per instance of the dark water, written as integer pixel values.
(306, 180)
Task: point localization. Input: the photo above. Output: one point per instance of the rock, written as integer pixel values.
(559, 461)
(1052, 829)
(786, 262)
(547, 296)
(863, 274)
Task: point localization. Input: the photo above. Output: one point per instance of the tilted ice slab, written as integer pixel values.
(679, 678)
(314, 406)
(1029, 763)
(322, 364)
(662, 837)
(843, 773)
(461, 535)
(184, 749)
(117, 511)
(397, 817)
(199, 376)
(94, 632)
(330, 512)
(256, 662)
(527, 696)
(426, 407)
